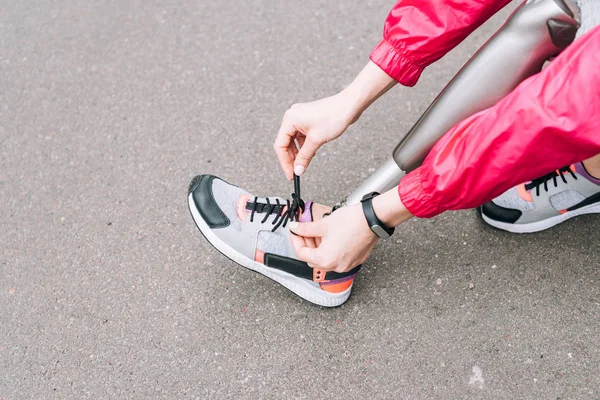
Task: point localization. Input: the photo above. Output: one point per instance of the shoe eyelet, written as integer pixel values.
(318, 275)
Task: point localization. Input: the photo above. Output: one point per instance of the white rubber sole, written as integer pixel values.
(543, 224)
(297, 285)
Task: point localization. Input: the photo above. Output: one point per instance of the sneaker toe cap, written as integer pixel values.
(499, 213)
(201, 191)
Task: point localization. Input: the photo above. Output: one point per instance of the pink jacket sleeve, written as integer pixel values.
(549, 121)
(419, 32)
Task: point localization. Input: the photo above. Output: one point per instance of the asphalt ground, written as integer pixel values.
(108, 291)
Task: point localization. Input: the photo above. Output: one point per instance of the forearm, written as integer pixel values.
(412, 40)
(368, 86)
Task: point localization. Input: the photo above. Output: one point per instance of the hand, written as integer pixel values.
(316, 123)
(311, 125)
(343, 240)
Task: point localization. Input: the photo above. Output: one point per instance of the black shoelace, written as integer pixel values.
(294, 208)
(554, 175)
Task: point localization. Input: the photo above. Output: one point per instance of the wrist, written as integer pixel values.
(368, 86)
(389, 208)
(353, 104)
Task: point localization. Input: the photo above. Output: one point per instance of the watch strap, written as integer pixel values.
(376, 225)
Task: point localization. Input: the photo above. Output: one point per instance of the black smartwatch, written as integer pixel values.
(378, 227)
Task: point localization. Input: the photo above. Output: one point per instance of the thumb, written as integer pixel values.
(307, 229)
(306, 153)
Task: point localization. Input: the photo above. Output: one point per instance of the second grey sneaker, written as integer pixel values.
(544, 202)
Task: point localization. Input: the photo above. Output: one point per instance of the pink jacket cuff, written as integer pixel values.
(414, 198)
(396, 64)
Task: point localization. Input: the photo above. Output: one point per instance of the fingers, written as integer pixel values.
(308, 229)
(294, 150)
(306, 153)
(318, 241)
(320, 257)
(310, 242)
(284, 145)
(306, 253)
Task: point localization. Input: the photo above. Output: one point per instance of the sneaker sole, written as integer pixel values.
(543, 224)
(289, 281)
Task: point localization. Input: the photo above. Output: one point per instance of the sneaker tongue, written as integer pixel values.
(307, 214)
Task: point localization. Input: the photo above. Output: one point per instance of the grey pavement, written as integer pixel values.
(108, 291)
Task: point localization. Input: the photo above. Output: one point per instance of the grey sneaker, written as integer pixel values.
(253, 232)
(544, 202)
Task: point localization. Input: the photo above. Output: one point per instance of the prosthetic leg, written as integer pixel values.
(537, 31)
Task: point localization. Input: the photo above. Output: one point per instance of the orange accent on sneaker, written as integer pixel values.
(259, 256)
(336, 287)
(572, 167)
(241, 207)
(563, 211)
(524, 194)
(318, 275)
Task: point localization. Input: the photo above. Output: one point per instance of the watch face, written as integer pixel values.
(379, 231)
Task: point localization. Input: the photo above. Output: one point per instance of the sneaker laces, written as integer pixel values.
(292, 213)
(559, 173)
